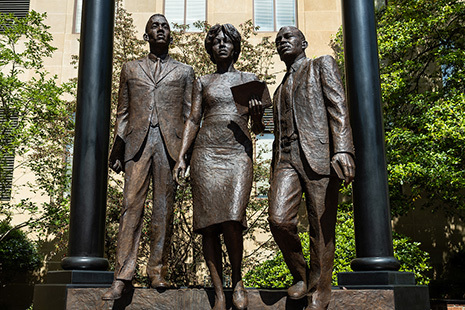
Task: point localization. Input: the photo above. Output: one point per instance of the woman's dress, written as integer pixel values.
(221, 164)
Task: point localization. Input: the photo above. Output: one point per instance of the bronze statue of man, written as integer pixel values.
(154, 101)
(312, 147)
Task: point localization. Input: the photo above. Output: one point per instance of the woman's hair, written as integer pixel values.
(229, 31)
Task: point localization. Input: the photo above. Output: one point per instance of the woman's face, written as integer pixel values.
(223, 48)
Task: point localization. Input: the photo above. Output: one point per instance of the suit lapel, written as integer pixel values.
(297, 80)
(166, 68)
(145, 65)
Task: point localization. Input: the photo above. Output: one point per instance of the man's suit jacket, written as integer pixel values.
(320, 113)
(139, 94)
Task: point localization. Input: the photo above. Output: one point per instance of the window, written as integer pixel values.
(271, 15)
(6, 177)
(263, 153)
(268, 120)
(7, 157)
(186, 12)
(19, 8)
(77, 16)
(379, 4)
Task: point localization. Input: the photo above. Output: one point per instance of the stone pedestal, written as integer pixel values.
(406, 295)
(55, 293)
(203, 299)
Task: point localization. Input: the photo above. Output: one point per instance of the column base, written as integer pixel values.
(375, 263)
(84, 263)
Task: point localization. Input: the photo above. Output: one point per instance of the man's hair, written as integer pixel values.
(300, 33)
(229, 31)
(154, 15)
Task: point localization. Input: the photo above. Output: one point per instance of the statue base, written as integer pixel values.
(406, 295)
(203, 299)
(58, 287)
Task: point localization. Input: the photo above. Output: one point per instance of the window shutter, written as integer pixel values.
(19, 8)
(174, 11)
(6, 160)
(264, 14)
(186, 12)
(195, 11)
(285, 13)
(268, 120)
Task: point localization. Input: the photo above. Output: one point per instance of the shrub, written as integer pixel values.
(274, 273)
(18, 255)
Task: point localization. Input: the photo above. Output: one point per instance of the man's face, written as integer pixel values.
(289, 43)
(157, 31)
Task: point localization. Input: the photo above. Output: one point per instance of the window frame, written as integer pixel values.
(185, 14)
(274, 16)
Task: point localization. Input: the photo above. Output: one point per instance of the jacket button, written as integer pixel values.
(150, 107)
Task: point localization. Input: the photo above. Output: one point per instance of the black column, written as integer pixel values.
(373, 235)
(89, 185)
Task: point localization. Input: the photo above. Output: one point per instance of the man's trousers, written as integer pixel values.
(151, 162)
(291, 177)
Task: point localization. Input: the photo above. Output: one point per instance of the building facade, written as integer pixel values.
(319, 20)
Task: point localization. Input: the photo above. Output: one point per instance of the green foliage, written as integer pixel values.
(422, 66)
(17, 253)
(274, 273)
(345, 244)
(271, 273)
(42, 132)
(412, 258)
(17, 96)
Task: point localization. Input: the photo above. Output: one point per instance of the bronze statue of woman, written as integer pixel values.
(221, 164)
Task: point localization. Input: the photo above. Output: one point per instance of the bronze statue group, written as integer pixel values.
(166, 121)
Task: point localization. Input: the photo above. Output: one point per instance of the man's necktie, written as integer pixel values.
(156, 71)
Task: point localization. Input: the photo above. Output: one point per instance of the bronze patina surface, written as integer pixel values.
(221, 164)
(154, 101)
(312, 152)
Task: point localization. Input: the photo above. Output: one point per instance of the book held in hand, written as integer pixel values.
(244, 92)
